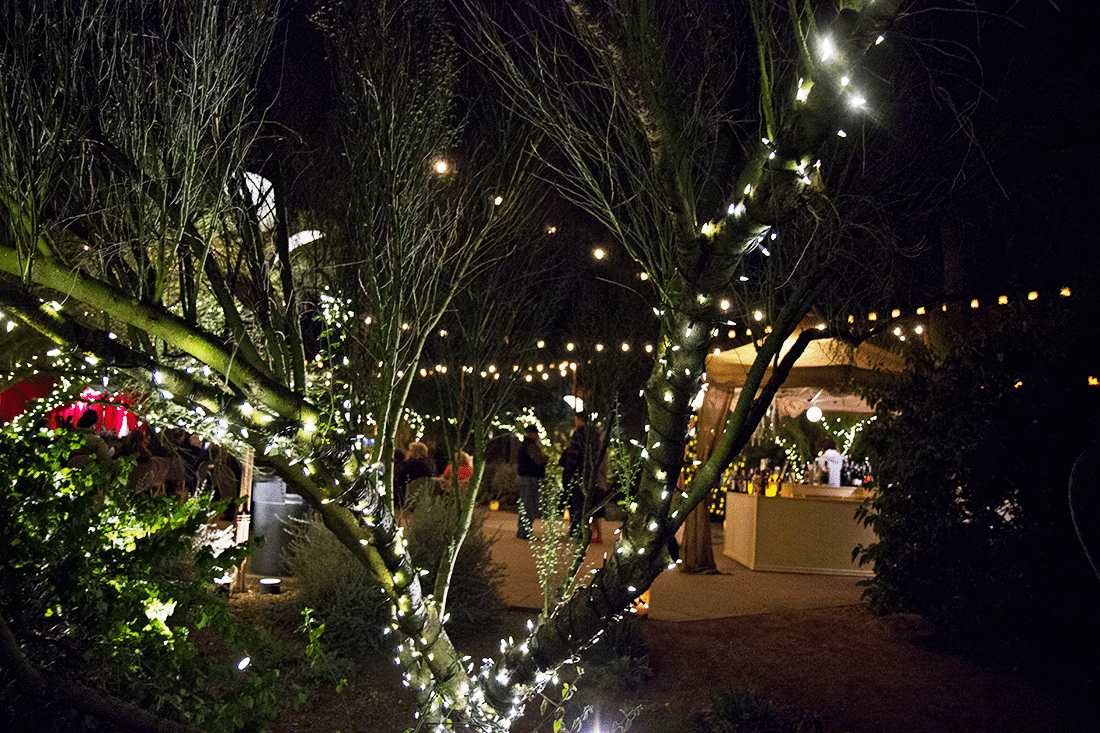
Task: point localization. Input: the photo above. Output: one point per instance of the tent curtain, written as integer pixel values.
(696, 551)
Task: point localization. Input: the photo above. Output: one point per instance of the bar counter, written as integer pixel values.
(806, 529)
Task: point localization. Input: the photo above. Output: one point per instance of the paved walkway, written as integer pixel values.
(676, 596)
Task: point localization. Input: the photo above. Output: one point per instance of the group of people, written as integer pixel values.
(584, 466)
(173, 463)
(416, 464)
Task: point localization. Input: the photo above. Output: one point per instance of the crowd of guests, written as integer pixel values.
(418, 463)
(584, 469)
(170, 463)
(182, 464)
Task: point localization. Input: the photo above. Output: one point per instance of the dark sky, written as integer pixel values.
(992, 146)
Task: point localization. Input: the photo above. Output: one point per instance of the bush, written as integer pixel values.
(616, 664)
(973, 451)
(475, 601)
(351, 603)
(113, 591)
(618, 660)
(739, 710)
(341, 592)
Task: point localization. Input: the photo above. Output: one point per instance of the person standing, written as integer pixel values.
(831, 459)
(532, 470)
(414, 467)
(584, 476)
(94, 448)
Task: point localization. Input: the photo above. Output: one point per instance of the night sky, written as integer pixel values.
(987, 157)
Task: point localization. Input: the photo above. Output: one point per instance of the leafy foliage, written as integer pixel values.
(554, 550)
(740, 710)
(113, 591)
(974, 450)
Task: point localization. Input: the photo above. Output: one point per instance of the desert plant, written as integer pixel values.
(476, 602)
(738, 709)
(341, 592)
(554, 551)
(350, 603)
(618, 661)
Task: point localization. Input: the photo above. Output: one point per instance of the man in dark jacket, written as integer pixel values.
(532, 470)
(584, 467)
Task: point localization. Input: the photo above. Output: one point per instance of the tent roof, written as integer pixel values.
(826, 364)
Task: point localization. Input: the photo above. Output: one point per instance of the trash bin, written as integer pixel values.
(273, 513)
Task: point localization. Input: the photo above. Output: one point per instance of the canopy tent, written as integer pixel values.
(827, 374)
(114, 416)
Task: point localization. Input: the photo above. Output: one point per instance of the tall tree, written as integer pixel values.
(140, 235)
(721, 207)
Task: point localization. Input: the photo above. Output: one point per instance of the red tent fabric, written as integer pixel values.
(112, 408)
(16, 400)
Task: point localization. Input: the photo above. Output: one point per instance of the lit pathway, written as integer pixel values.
(675, 596)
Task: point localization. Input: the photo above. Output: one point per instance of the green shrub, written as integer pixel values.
(618, 660)
(475, 601)
(616, 664)
(974, 448)
(113, 591)
(340, 591)
(351, 603)
(738, 709)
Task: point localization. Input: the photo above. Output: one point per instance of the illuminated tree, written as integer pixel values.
(643, 104)
(141, 237)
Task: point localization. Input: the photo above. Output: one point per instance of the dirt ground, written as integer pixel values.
(851, 671)
(856, 673)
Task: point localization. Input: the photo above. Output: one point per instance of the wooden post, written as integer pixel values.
(244, 517)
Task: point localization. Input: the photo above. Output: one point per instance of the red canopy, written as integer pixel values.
(113, 415)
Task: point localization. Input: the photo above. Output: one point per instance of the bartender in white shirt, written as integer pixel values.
(832, 459)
